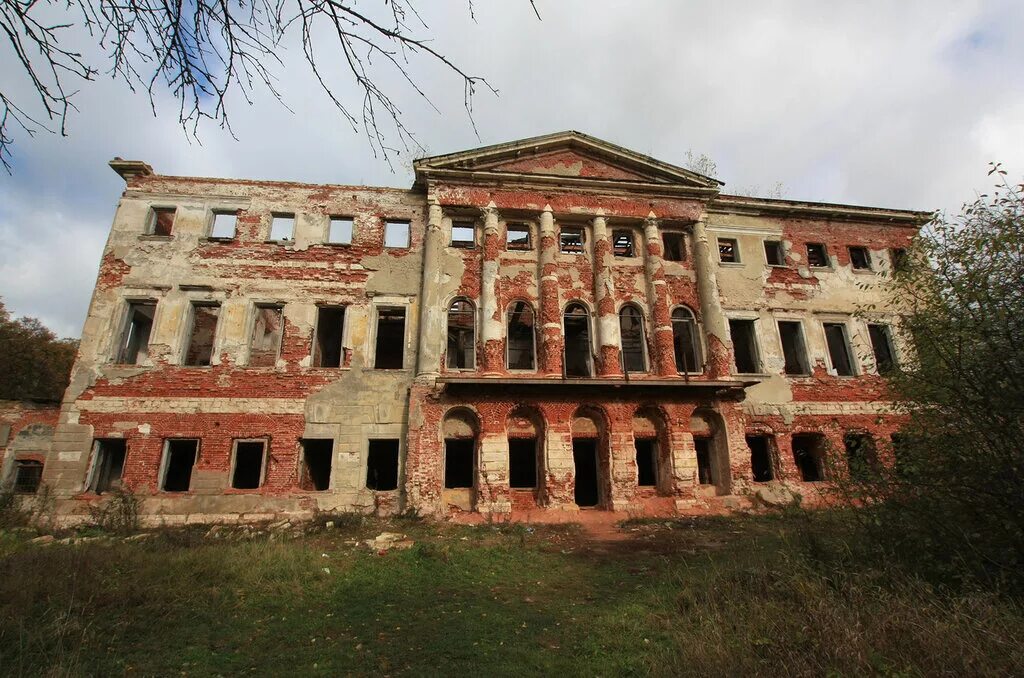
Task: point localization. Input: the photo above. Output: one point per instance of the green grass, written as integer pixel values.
(688, 597)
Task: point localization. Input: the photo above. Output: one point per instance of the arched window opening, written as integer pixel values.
(461, 335)
(460, 430)
(522, 333)
(631, 329)
(578, 358)
(685, 341)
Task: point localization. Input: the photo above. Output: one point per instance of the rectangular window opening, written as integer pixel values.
(135, 339)
(396, 234)
(881, 346)
(265, 344)
(622, 243)
(180, 460)
(702, 446)
(317, 454)
(390, 346)
(28, 474)
(793, 348)
(224, 225)
(330, 322)
(161, 221)
(108, 465)
(517, 237)
(761, 458)
(817, 256)
(282, 227)
(571, 240)
(459, 468)
(202, 334)
(860, 258)
(773, 253)
(839, 349)
(382, 465)
(675, 246)
(861, 455)
(646, 462)
(522, 463)
(463, 235)
(809, 455)
(898, 256)
(744, 343)
(340, 231)
(728, 251)
(249, 463)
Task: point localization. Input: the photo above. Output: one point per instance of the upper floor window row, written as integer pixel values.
(223, 225)
(816, 255)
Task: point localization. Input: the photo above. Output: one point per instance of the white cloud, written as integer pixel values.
(896, 104)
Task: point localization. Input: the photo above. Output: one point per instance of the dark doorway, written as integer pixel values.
(458, 462)
(382, 465)
(248, 473)
(646, 462)
(808, 453)
(760, 458)
(316, 460)
(522, 463)
(703, 448)
(181, 458)
(584, 456)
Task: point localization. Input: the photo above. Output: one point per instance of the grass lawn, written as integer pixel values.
(680, 597)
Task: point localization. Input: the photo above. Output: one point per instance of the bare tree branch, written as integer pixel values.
(202, 51)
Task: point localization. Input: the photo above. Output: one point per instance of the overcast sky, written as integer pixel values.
(897, 104)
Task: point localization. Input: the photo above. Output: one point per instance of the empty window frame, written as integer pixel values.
(340, 230)
(521, 336)
(522, 463)
(317, 454)
(746, 357)
(327, 344)
(134, 347)
(396, 234)
(728, 251)
(571, 240)
(881, 346)
(28, 474)
(898, 257)
(267, 330)
(389, 349)
(861, 455)
(774, 255)
(282, 227)
(623, 243)
(517, 237)
(578, 357)
(702, 447)
(631, 332)
(839, 349)
(202, 333)
(459, 462)
(382, 465)
(180, 456)
(761, 463)
(817, 255)
(108, 465)
(463, 235)
(248, 464)
(461, 353)
(860, 258)
(161, 221)
(794, 349)
(225, 224)
(646, 462)
(685, 341)
(675, 246)
(809, 455)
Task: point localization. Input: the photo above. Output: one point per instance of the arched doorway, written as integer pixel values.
(653, 458)
(460, 432)
(525, 457)
(712, 450)
(590, 459)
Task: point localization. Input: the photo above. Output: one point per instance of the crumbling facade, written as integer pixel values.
(534, 328)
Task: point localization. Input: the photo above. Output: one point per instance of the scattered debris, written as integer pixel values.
(386, 541)
(44, 539)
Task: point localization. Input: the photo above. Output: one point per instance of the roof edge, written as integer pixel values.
(733, 204)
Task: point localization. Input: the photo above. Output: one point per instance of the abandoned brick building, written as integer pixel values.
(534, 327)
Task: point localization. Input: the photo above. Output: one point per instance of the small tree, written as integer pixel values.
(955, 492)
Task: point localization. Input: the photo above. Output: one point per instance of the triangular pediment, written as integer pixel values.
(567, 155)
